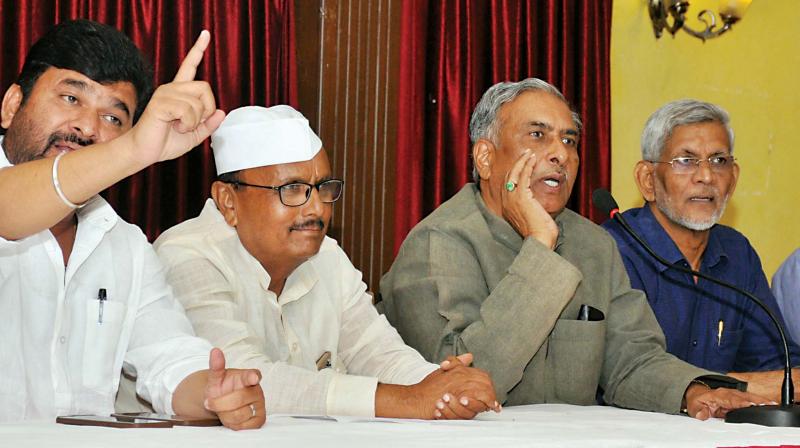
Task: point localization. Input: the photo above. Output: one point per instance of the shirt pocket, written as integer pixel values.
(100, 345)
(726, 348)
(576, 354)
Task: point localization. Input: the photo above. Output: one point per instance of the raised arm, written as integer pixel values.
(180, 116)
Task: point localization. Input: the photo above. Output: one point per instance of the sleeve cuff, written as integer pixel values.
(352, 395)
(177, 373)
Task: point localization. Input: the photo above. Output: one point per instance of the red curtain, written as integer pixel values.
(251, 60)
(452, 50)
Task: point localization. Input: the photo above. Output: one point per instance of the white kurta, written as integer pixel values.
(324, 307)
(56, 358)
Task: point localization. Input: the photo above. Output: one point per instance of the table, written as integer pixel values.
(549, 425)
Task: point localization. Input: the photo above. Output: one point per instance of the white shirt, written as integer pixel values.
(323, 307)
(56, 358)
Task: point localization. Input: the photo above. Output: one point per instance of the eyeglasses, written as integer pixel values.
(688, 165)
(295, 194)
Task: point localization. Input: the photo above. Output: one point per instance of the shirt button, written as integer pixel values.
(694, 343)
(62, 339)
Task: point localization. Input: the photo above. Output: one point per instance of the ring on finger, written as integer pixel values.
(252, 410)
(510, 186)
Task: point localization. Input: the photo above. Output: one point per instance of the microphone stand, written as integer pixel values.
(785, 414)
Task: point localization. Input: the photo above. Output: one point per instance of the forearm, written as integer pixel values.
(28, 197)
(393, 401)
(187, 400)
(767, 384)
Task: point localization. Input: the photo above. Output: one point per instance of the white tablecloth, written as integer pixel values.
(536, 425)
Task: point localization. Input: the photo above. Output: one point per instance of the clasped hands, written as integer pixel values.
(457, 391)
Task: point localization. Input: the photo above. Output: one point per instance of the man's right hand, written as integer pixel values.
(179, 116)
(703, 403)
(521, 209)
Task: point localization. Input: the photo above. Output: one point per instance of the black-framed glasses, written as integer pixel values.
(688, 165)
(295, 194)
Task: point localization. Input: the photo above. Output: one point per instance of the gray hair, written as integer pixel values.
(662, 123)
(483, 123)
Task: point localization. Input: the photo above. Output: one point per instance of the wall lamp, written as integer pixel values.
(730, 11)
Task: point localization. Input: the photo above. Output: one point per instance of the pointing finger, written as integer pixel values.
(188, 68)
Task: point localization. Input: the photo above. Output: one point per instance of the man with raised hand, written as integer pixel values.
(83, 294)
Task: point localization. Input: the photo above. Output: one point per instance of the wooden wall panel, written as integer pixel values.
(347, 62)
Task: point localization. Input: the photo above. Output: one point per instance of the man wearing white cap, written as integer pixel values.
(259, 278)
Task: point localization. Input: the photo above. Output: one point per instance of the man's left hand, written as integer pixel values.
(703, 403)
(235, 395)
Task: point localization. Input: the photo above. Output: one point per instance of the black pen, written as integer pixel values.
(101, 297)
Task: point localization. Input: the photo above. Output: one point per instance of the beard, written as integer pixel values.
(664, 203)
(25, 141)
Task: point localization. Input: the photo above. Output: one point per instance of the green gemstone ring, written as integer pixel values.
(510, 186)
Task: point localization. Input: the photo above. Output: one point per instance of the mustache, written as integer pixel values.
(309, 224)
(710, 191)
(68, 138)
(559, 171)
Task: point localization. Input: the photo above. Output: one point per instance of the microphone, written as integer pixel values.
(784, 414)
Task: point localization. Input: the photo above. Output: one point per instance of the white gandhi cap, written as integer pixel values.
(254, 136)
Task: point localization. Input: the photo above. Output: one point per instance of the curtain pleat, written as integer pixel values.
(451, 51)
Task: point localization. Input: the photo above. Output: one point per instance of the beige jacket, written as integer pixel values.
(465, 281)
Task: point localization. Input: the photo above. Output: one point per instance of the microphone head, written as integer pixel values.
(604, 201)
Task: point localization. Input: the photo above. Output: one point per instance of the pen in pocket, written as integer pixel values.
(720, 327)
(101, 298)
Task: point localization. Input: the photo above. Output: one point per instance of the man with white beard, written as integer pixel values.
(686, 176)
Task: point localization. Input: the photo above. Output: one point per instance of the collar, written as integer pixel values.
(3, 159)
(98, 213)
(504, 232)
(715, 250)
(645, 224)
(298, 284)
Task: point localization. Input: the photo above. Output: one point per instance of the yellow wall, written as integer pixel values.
(753, 71)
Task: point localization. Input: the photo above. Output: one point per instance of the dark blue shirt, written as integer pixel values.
(690, 313)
